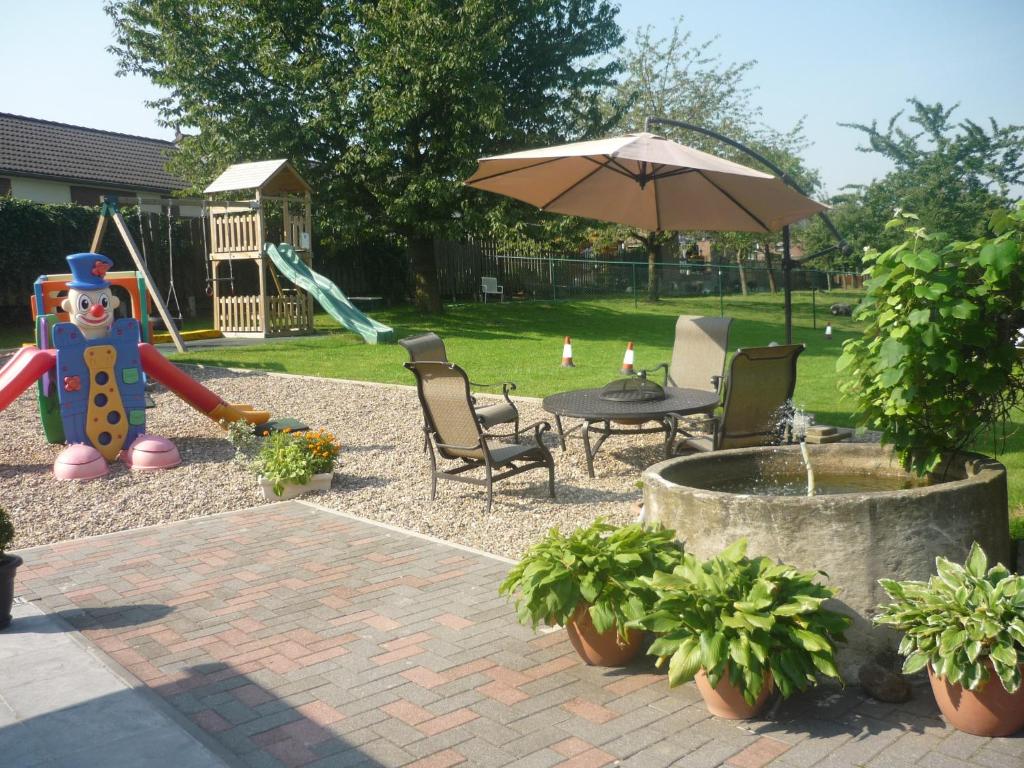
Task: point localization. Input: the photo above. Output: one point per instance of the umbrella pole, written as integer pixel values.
(787, 283)
(786, 179)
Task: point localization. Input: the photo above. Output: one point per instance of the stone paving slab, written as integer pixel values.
(290, 635)
(61, 705)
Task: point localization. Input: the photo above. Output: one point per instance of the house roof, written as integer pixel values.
(49, 150)
(273, 176)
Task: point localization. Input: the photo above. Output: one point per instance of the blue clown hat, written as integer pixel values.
(88, 271)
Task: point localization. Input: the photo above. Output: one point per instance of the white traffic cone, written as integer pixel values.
(567, 354)
(627, 360)
(828, 331)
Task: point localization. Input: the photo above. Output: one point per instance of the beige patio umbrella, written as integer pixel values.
(645, 181)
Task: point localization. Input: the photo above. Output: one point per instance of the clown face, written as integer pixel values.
(92, 312)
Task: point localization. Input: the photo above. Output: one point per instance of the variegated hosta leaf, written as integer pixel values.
(963, 616)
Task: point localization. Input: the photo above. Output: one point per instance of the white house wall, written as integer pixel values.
(40, 190)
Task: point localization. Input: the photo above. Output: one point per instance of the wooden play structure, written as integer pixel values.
(238, 231)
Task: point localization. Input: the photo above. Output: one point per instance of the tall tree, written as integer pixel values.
(952, 175)
(384, 105)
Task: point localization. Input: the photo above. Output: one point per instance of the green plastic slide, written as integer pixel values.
(327, 294)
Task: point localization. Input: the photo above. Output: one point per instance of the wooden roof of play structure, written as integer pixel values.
(272, 177)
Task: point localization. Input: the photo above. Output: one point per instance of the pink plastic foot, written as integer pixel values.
(80, 462)
(149, 452)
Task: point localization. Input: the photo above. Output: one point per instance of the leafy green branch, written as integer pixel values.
(936, 366)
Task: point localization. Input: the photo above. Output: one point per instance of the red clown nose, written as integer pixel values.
(96, 310)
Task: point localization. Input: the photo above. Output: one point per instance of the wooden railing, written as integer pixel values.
(235, 231)
(289, 313)
(239, 314)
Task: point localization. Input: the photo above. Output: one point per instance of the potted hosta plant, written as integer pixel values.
(8, 565)
(966, 625)
(739, 626)
(289, 463)
(592, 583)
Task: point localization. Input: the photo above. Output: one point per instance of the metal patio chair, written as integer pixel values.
(698, 354)
(757, 406)
(455, 433)
(429, 347)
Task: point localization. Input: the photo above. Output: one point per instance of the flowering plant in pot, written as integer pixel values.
(8, 566)
(289, 463)
(592, 582)
(966, 625)
(740, 626)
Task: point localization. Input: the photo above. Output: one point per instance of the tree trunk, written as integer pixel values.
(652, 268)
(740, 271)
(427, 297)
(768, 264)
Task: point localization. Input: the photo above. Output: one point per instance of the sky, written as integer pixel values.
(825, 60)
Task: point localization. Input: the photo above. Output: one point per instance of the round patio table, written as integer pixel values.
(587, 404)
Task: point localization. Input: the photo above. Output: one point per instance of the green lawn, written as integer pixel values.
(522, 342)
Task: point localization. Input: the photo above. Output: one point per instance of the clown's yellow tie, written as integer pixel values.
(105, 423)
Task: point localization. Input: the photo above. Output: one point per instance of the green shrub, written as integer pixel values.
(961, 617)
(602, 565)
(6, 531)
(936, 366)
(745, 616)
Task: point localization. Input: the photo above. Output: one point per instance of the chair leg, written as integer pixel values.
(515, 433)
(551, 477)
(490, 490)
(433, 471)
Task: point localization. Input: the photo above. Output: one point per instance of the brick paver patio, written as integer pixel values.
(292, 636)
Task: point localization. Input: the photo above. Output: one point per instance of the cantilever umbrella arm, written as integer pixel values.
(787, 263)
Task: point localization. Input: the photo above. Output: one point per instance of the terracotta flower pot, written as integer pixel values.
(990, 711)
(8, 565)
(601, 649)
(726, 700)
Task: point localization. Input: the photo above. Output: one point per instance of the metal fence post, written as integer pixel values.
(814, 306)
(633, 265)
(721, 299)
(551, 277)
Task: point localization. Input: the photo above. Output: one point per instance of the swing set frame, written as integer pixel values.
(109, 211)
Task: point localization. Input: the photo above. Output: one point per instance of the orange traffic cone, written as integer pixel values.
(627, 360)
(567, 354)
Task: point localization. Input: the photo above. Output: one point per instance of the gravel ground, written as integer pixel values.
(384, 474)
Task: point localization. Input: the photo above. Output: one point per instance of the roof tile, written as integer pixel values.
(45, 149)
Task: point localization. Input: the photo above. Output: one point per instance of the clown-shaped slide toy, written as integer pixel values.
(194, 393)
(27, 366)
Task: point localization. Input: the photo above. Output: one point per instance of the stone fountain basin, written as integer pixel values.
(856, 538)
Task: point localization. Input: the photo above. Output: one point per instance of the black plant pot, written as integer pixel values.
(8, 565)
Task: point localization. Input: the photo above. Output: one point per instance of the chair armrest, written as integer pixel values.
(539, 428)
(506, 386)
(660, 365)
